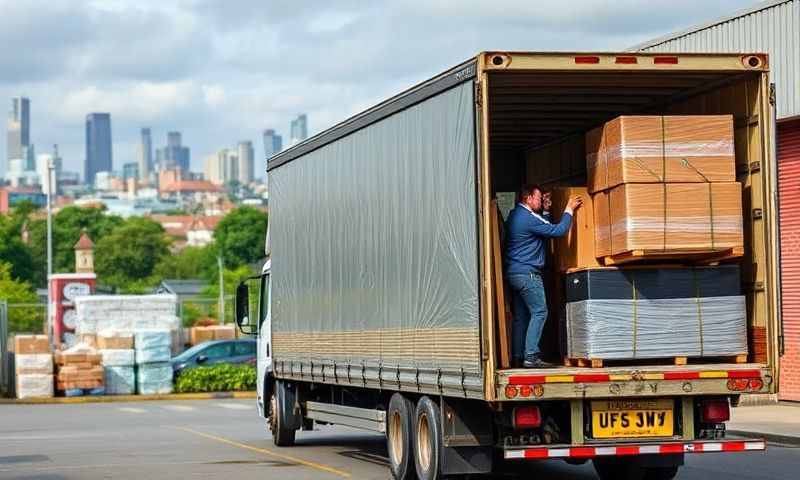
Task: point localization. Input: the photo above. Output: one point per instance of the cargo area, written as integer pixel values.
(538, 121)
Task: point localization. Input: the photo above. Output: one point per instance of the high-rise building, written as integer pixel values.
(130, 170)
(98, 145)
(273, 143)
(299, 130)
(18, 138)
(144, 156)
(245, 162)
(174, 155)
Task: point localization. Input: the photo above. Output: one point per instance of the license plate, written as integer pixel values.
(632, 419)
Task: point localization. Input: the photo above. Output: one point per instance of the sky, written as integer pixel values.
(223, 71)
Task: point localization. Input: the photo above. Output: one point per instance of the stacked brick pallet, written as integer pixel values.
(79, 371)
(33, 364)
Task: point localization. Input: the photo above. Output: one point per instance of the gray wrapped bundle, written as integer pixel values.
(154, 378)
(120, 380)
(152, 346)
(618, 329)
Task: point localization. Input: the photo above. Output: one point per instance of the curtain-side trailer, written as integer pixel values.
(378, 304)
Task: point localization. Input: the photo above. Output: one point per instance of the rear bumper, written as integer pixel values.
(601, 450)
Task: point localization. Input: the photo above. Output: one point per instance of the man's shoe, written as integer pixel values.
(536, 362)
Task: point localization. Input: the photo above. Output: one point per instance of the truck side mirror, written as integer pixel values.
(242, 309)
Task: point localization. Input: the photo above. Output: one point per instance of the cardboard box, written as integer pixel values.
(224, 332)
(24, 344)
(66, 358)
(116, 342)
(199, 335)
(576, 248)
(656, 149)
(34, 385)
(669, 217)
(33, 363)
(69, 373)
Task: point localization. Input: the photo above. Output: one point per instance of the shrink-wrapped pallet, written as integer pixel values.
(656, 149)
(34, 385)
(109, 339)
(120, 380)
(30, 363)
(153, 346)
(118, 357)
(654, 220)
(154, 378)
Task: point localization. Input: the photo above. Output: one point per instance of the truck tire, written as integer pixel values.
(614, 468)
(280, 423)
(427, 440)
(399, 435)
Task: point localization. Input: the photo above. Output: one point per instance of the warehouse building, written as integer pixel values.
(772, 27)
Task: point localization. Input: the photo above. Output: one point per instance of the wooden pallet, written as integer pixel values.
(600, 363)
(691, 256)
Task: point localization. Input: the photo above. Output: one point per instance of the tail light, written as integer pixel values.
(527, 417)
(756, 384)
(715, 411)
(511, 391)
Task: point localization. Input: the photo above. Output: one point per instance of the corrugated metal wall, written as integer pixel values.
(789, 182)
(773, 28)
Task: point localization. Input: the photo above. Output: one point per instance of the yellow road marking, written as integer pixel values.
(307, 463)
(713, 374)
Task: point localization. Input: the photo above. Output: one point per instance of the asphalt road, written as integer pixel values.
(225, 439)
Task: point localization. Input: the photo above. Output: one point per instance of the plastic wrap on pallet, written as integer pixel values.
(153, 355)
(153, 346)
(154, 378)
(28, 363)
(34, 385)
(118, 358)
(622, 329)
(120, 380)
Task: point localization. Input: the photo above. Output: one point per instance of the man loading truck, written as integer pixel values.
(527, 230)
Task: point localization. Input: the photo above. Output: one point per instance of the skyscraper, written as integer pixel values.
(19, 132)
(245, 160)
(273, 143)
(299, 130)
(145, 155)
(174, 155)
(98, 145)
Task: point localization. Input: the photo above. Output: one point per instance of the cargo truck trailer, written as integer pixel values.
(377, 307)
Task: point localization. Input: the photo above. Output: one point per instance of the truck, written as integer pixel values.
(378, 306)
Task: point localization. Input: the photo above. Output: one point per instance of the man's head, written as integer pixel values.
(531, 196)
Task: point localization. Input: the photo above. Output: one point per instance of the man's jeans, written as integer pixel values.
(530, 313)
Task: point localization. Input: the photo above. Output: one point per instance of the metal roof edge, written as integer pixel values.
(703, 26)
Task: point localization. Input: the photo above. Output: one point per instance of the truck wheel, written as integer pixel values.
(661, 473)
(428, 440)
(399, 432)
(612, 468)
(281, 400)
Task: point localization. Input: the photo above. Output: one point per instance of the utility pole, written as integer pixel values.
(221, 292)
(50, 179)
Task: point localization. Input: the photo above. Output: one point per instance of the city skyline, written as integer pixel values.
(99, 150)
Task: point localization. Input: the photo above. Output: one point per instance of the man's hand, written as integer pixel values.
(547, 202)
(574, 203)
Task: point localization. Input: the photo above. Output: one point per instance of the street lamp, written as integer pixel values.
(50, 168)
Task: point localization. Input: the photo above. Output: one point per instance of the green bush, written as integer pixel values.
(217, 378)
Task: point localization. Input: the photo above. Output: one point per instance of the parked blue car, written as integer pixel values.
(214, 352)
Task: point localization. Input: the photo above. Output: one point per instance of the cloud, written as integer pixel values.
(220, 72)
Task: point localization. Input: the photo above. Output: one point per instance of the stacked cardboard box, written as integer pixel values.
(213, 332)
(153, 367)
(116, 348)
(576, 249)
(80, 371)
(33, 364)
(664, 184)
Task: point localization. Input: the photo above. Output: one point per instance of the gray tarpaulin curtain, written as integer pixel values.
(375, 236)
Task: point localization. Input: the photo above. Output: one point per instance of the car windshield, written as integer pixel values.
(185, 356)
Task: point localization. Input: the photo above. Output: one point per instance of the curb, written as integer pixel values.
(125, 398)
(774, 438)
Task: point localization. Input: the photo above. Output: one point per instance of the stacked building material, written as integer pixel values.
(116, 348)
(33, 364)
(153, 367)
(648, 312)
(199, 334)
(664, 185)
(80, 371)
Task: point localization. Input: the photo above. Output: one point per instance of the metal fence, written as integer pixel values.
(192, 309)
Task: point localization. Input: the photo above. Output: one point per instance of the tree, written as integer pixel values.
(14, 252)
(239, 237)
(191, 262)
(27, 319)
(127, 257)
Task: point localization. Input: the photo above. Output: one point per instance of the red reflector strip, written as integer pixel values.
(665, 60)
(625, 60)
(641, 449)
(681, 375)
(744, 374)
(591, 378)
(604, 377)
(587, 59)
(529, 379)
